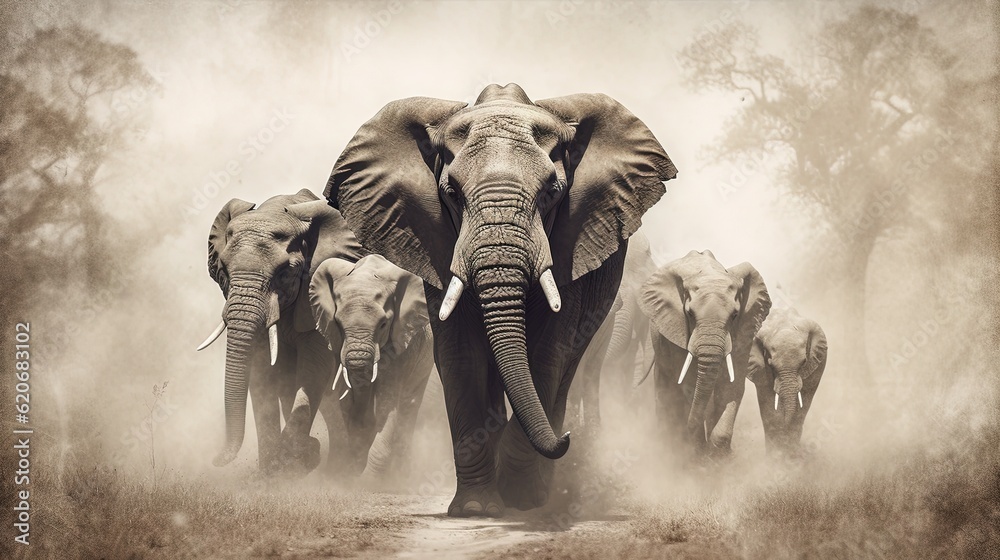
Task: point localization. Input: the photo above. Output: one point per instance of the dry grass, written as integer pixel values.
(924, 506)
(97, 513)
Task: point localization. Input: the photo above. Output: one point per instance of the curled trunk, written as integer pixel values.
(502, 295)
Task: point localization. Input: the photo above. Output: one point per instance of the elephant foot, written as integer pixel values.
(301, 456)
(720, 446)
(523, 489)
(476, 502)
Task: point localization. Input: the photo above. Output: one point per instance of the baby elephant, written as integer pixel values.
(786, 364)
(374, 316)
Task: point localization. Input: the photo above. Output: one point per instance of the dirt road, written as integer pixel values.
(436, 536)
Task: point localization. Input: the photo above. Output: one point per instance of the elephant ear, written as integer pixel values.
(326, 236)
(217, 239)
(322, 305)
(755, 303)
(384, 185)
(756, 366)
(615, 168)
(411, 311)
(661, 299)
(815, 351)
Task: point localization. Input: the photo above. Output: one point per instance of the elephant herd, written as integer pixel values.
(492, 242)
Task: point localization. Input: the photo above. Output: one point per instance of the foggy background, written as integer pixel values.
(120, 120)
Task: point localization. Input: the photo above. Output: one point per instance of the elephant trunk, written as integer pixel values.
(787, 387)
(502, 293)
(621, 334)
(247, 309)
(709, 352)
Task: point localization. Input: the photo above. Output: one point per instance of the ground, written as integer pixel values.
(920, 508)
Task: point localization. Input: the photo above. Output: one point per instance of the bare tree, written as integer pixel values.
(859, 136)
(65, 112)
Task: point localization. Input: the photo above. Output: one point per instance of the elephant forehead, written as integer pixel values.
(782, 341)
(360, 293)
(711, 283)
(271, 223)
(498, 117)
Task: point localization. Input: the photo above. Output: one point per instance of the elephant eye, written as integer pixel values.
(732, 316)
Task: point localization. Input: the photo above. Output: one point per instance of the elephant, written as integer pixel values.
(703, 315)
(262, 256)
(786, 364)
(530, 204)
(374, 316)
(621, 350)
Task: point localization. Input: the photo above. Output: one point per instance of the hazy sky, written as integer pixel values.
(301, 79)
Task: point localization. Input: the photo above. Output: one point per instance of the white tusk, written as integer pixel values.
(451, 298)
(551, 290)
(272, 336)
(684, 370)
(800, 399)
(374, 372)
(347, 379)
(344, 395)
(729, 364)
(378, 356)
(212, 337)
(776, 401)
(340, 368)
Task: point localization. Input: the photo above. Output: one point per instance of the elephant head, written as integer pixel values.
(262, 258)
(713, 312)
(365, 310)
(788, 353)
(503, 196)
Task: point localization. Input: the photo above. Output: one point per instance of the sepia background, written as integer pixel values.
(848, 150)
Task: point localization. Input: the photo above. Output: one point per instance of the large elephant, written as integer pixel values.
(621, 351)
(786, 364)
(530, 205)
(374, 316)
(262, 256)
(706, 316)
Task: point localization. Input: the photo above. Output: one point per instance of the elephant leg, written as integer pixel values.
(313, 375)
(672, 406)
(410, 399)
(589, 379)
(474, 401)
(722, 417)
(264, 398)
(330, 409)
(387, 400)
(523, 476)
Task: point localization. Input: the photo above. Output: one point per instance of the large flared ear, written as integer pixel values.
(384, 184)
(755, 303)
(662, 299)
(757, 365)
(615, 168)
(325, 236)
(217, 239)
(815, 351)
(321, 300)
(411, 312)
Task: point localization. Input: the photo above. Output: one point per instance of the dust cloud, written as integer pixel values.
(249, 100)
